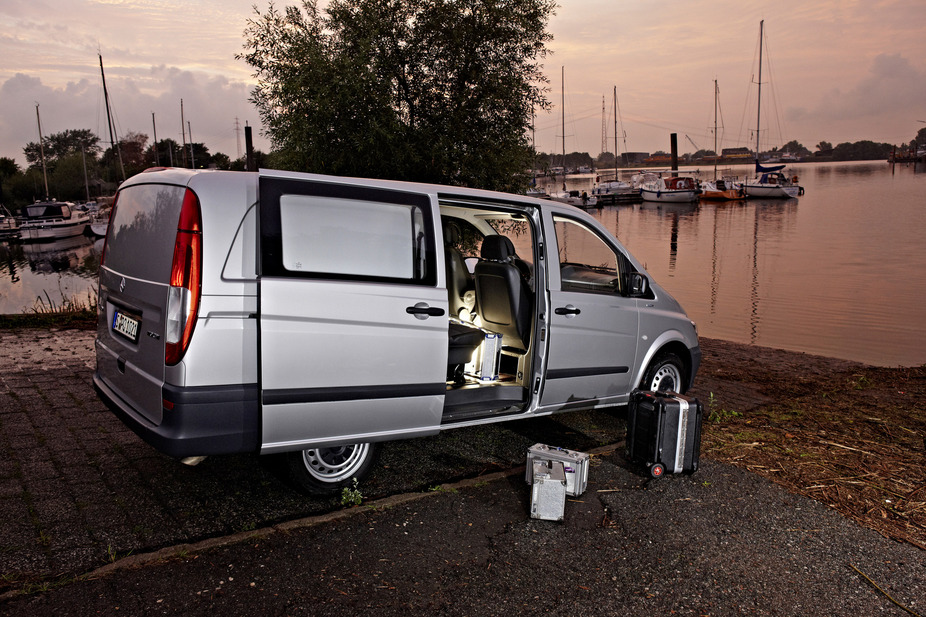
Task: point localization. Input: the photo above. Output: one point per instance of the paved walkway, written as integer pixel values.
(96, 522)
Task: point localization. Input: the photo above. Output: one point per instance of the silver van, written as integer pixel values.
(316, 317)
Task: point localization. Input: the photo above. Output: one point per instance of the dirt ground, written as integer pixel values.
(848, 435)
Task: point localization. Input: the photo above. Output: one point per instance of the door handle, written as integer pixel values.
(423, 311)
(567, 310)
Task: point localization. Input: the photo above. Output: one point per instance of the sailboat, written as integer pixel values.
(769, 182)
(612, 189)
(726, 188)
(577, 198)
(50, 219)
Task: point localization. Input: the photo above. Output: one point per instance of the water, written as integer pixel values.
(839, 272)
(46, 275)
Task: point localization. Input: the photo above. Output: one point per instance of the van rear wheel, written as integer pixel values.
(325, 471)
(665, 374)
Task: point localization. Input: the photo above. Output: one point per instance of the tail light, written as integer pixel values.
(185, 280)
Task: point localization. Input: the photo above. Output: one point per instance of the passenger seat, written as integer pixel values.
(503, 297)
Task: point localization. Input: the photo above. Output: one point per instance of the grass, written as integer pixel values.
(72, 312)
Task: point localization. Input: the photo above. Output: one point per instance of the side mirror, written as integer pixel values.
(637, 285)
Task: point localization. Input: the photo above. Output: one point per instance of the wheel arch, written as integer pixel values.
(669, 345)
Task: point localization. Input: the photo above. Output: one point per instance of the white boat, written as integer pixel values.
(580, 199)
(9, 226)
(773, 185)
(52, 220)
(537, 193)
(613, 187)
(681, 189)
(99, 222)
(769, 181)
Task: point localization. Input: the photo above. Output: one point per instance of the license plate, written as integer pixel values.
(126, 325)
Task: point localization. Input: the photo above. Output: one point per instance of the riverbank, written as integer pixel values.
(848, 435)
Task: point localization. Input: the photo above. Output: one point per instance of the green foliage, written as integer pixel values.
(429, 90)
(861, 151)
(719, 414)
(351, 495)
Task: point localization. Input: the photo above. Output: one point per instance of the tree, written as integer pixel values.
(426, 90)
(861, 151)
(63, 144)
(795, 147)
(823, 146)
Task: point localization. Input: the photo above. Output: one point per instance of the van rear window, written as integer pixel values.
(142, 231)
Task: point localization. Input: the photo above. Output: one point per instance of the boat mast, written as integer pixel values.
(759, 102)
(109, 119)
(154, 126)
(615, 132)
(42, 149)
(563, 111)
(716, 94)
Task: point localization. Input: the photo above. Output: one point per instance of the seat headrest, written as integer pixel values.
(497, 248)
(452, 234)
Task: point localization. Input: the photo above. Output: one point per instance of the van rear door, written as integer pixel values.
(353, 325)
(134, 288)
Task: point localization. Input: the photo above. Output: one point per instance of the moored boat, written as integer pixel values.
(772, 185)
(722, 189)
(613, 187)
(674, 189)
(580, 199)
(52, 220)
(9, 226)
(99, 222)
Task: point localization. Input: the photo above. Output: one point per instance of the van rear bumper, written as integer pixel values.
(200, 421)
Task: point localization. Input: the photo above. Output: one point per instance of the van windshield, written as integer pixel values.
(142, 231)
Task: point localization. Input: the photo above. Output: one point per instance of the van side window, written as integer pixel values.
(335, 236)
(586, 262)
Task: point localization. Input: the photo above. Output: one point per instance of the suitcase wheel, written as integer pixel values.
(657, 470)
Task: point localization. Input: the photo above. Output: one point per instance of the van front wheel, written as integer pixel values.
(665, 374)
(325, 471)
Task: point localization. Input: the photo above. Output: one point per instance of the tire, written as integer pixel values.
(666, 373)
(325, 471)
(657, 471)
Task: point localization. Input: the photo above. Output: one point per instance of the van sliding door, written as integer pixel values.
(353, 325)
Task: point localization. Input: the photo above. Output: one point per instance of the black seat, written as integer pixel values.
(502, 294)
(459, 280)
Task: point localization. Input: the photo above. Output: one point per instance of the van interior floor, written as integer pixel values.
(476, 399)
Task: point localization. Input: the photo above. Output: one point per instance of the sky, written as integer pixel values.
(836, 71)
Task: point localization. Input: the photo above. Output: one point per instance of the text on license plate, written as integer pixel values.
(126, 326)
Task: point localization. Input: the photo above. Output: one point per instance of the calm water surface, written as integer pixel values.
(840, 272)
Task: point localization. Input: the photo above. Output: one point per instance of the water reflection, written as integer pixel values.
(36, 276)
(837, 272)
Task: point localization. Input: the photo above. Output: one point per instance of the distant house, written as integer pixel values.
(632, 159)
(744, 154)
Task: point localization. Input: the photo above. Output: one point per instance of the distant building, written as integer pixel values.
(738, 153)
(633, 159)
